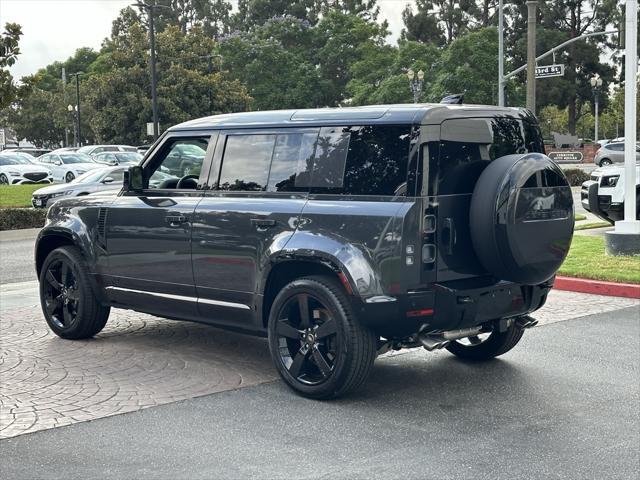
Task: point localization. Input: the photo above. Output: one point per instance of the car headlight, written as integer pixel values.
(60, 194)
(609, 181)
(80, 172)
(14, 174)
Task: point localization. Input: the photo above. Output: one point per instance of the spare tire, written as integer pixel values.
(521, 218)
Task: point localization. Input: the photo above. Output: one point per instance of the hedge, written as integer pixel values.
(575, 176)
(16, 218)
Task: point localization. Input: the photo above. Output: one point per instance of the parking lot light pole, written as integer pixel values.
(73, 110)
(596, 84)
(79, 138)
(151, 11)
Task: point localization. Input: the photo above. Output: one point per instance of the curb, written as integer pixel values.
(597, 287)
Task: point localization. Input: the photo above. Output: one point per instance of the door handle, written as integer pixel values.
(263, 222)
(175, 220)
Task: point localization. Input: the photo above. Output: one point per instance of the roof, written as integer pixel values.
(374, 114)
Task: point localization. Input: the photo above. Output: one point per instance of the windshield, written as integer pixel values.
(91, 176)
(131, 157)
(68, 158)
(13, 160)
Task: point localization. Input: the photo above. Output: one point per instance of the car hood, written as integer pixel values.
(617, 169)
(24, 168)
(84, 166)
(73, 187)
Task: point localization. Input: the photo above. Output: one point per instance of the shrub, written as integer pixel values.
(16, 218)
(575, 176)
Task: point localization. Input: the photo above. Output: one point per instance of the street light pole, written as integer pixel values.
(596, 83)
(79, 139)
(531, 55)
(416, 82)
(154, 81)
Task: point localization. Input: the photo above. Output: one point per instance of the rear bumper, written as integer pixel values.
(452, 305)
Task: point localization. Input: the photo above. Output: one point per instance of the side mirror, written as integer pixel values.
(57, 163)
(133, 179)
(108, 180)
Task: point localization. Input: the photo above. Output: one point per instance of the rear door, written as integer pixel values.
(250, 213)
(465, 148)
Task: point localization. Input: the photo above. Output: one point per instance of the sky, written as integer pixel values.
(54, 29)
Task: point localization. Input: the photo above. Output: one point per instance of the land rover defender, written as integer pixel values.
(336, 233)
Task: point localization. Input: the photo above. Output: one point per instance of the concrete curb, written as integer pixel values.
(598, 287)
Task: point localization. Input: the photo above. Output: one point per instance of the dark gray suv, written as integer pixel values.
(337, 233)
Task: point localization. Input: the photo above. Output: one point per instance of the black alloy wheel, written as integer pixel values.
(69, 177)
(69, 304)
(4, 180)
(317, 344)
(307, 339)
(61, 295)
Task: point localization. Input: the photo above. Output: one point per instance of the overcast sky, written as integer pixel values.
(54, 29)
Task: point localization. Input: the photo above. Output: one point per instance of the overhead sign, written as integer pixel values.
(547, 71)
(566, 157)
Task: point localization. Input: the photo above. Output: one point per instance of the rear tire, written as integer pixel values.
(68, 302)
(496, 344)
(326, 352)
(604, 162)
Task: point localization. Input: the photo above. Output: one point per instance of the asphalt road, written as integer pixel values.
(563, 404)
(16, 255)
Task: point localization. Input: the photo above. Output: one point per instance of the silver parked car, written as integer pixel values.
(613, 153)
(96, 149)
(118, 158)
(98, 180)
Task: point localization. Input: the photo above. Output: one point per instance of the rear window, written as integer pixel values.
(468, 145)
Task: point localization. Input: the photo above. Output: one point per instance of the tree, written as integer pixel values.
(9, 51)
(442, 21)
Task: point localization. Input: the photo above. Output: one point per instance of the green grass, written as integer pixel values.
(587, 259)
(18, 195)
(579, 217)
(587, 226)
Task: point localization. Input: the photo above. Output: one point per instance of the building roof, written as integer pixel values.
(374, 114)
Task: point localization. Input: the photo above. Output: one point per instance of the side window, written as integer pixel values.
(246, 161)
(618, 147)
(366, 160)
(97, 150)
(292, 162)
(182, 157)
(117, 176)
(109, 149)
(44, 159)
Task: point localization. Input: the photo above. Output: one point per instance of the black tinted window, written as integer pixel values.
(367, 160)
(468, 145)
(618, 147)
(292, 160)
(245, 164)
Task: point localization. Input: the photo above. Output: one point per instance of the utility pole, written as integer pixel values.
(531, 54)
(625, 239)
(79, 140)
(501, 54)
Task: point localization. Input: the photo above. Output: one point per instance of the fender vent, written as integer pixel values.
(101, 227)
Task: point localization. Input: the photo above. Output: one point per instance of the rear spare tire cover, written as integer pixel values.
(521, 218)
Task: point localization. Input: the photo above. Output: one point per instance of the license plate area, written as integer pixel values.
(500, 302)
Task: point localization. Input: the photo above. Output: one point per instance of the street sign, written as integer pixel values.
(566, 157)
(547, 71)
(150, 129)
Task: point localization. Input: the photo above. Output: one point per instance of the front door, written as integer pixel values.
(148, 233)
(249, 216)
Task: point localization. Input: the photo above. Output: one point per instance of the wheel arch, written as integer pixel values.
(287, 270)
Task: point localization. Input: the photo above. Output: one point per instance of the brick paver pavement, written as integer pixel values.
(139, 361)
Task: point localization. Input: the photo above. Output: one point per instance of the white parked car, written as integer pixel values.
(96, 149)
(17, 170)
(66, 167)
(105, 179)
(603, 193)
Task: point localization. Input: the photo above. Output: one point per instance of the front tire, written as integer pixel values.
(69, 177)
(3, 179)
(68, 302)
(317, 344)
(481, 349)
